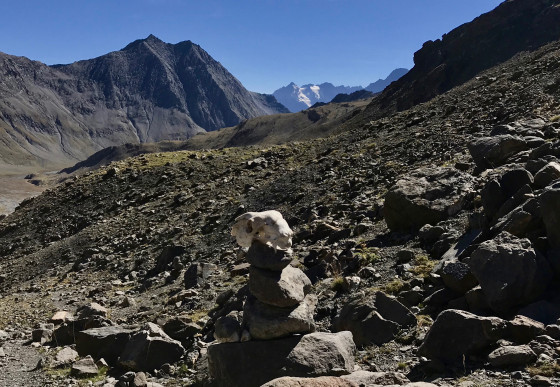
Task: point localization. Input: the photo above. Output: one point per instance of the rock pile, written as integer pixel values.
(277, 311)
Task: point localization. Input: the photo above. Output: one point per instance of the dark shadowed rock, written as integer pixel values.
(426, 196)
(227, 329)
(105, 342)
(458, 277)
(376, 320)
(522, 329)
(253, 363)
(512, 356)
(547, 174)
(550, 204)
(491, 152)
(149, 349)
(457, 333)
(265, 257)
(509, 271)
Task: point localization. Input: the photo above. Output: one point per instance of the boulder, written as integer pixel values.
(254, 363)
(509, 271)
(512, 356)
(84, 368)
(267, 258)
(549, 201)
(64, 357)
(269, 322)
(181, 329)
(426, 196)
(376, 320)
(279, 288)
(547, 174)
(105, 342)
(43, 333)
(491, 152)
(457, 276)
(149, 349)
(321, 381)
(456, 333)
(227, 329)
(92, 309)
(368, 378)
(522, 329)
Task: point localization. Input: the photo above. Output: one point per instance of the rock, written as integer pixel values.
(265, 257)
(181, 329)
(491, 152)
(457, 276)
(512, 181)
(193, 276)
(279, 288)
(84, 368)
(509, 271)
(139, 380)
(549, 201)
(227, 329)
(61, 317)
(543, 311)
(456, 333)
(149, 349)
(105, 342)
(321, 381)
(268, 322)
(92, 309)
(376, 320)
(512, 356)
(426, 196)
(547, 174)
(64, 357)
(241, 269)
(43, 333)
(522, 329)
(254, 363)
(368, 378)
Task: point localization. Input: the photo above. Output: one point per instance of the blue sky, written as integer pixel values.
(265, 43)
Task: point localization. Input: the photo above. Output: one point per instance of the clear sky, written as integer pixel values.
(266, 44)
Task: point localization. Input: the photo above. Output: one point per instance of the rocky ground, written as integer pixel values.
(147, 240)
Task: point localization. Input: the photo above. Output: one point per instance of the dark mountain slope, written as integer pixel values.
(149, 91)
(490, 39)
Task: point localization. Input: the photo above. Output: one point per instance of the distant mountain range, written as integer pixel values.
(53, 116)
(297, 98)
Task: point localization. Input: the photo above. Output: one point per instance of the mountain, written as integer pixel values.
(492, 38)
(297, 98)
(149, 91)
(379, 85)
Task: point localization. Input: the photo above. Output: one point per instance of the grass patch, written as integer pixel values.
(545, 369)
(393, 287)
(424, 320)
(555, 118)
(423, 265)
(338, 284)
(367, 255)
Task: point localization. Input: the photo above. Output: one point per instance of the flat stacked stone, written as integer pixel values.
(280, 304)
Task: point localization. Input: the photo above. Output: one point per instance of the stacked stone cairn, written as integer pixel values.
(276, 327)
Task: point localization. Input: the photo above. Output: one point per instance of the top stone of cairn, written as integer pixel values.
(267, 227)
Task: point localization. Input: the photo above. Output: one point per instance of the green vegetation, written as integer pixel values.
(367, 255)
(393, 287)
(338, 284)
(423, 265)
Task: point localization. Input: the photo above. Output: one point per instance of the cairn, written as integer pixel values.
(274, 336)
